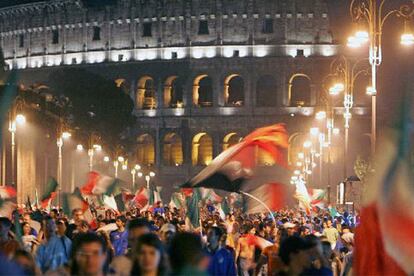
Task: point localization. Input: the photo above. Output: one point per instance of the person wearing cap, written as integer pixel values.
(294, 254)
(348, 241)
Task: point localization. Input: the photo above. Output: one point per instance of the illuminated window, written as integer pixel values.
(173, 92)
(234, 90)
(146, 150)
(173, 150)
(202, 150)
(230, 140)
(203, 91)
(299, 90)
(145, 96)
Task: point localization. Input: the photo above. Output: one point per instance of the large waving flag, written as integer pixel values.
(317, 197)
(396, 196)
(7, 205)
(230, 169)
(302, 195)
(193, 210)
(275, 196)
(98, 184)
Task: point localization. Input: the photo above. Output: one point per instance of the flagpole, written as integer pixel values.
(262, 203)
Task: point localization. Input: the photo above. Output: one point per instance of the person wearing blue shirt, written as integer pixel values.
(221, 259)
(119, 238)
(56, 251)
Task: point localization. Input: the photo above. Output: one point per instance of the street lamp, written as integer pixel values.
(147, 177)
(61, 137)
(373, 13)
(20, 120)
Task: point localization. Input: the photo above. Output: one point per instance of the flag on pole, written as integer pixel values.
(141, 198)
(193, 210)
(177, 200)
(230, 169)
(98, 184)
(317, 197)
(7, 192)
(303, 197)
(49, 194)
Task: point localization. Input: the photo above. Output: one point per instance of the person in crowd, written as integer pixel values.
(62, 225)
(29, 241)
(136, 228)
(8, 245)
(221, 259)
(27, 219)
(294, 254)
(88, 257)
(167, 232)
(150, 258)
(55, 251)
(77, 217)
(348, 241)
(330, 233)
(245, 252)
(270, 256)
(26, 261)
(83, 227)
(187, 256)
(119, 237)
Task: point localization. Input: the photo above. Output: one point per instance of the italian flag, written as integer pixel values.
(49, 194)
(98, 184)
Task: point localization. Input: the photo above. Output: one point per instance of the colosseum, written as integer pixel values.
(202, 74)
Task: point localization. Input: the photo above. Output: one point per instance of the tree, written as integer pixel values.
(97, 105)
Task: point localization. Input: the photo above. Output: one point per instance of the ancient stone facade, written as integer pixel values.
(201, 73)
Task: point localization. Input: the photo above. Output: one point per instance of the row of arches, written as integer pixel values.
(233, 91)
(201, 149)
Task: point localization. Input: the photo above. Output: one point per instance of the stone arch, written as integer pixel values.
(203, 91)
(230, 140)
(234, 90)
(296, 141)
(266, 91)
(172, 150)
(173, 92)
(146, 96)
(146, 150)
(300, 92)
(202, 149)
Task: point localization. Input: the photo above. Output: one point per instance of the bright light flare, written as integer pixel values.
(371, 91)
(307, 144)
(79, 147)
(336, 89)
(314, 131)
(152, 174)
(121, 159)
(20, 119)
(106, 159)
(66, 135)
(320, 115)
(336, 131)
(407, 39)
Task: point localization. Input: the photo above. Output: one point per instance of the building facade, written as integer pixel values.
(202, 74)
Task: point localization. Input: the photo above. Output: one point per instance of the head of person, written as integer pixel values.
(61, 225)
(329, 223)
(136, 228)
(250, 229)
(348, 239)
(214, 235)
(88, 255)
(49, 227)
(167, 232)
(5, 225)
(27, 218)
(121, 222)
(293, 252)
(83, 226)
(150, 256)
(26, 228)
(54, 213)
(26, 261)
(77, 215)
(186, 250)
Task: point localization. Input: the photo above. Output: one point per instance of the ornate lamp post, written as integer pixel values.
(373, 13)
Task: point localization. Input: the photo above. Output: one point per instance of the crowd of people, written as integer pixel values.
(161, 242)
